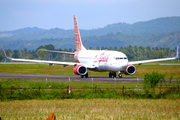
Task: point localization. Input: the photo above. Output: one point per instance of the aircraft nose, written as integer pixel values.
(123, 65)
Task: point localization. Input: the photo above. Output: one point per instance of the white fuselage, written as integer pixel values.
(104, 60)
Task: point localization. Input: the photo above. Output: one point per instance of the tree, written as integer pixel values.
(49, 47)
(15, 54)
(29, 56)
(160, 54)
(22, 53)
(1, 55)
(151, 80)
(40, 47)
(42, 54)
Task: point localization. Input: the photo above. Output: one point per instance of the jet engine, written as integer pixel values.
(80, 70)
(130, 70)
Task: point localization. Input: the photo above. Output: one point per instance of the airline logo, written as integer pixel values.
(104, 58)
(77, 36)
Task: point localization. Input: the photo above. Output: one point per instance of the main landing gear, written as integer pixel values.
(113, 74)
(86, 75)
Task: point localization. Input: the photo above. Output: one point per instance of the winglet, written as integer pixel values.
(4, 53)
(176, 52)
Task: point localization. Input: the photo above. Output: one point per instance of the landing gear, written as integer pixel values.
(120, 75)
(86, 75)
(112, 74)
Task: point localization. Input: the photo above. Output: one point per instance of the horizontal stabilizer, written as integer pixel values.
(62, 52)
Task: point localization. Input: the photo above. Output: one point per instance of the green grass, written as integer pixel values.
(39, 82)
(169, 70)
(93, 109)
(85, 104)
(12, 89)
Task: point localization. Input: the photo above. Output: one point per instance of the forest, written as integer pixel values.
(132, 52)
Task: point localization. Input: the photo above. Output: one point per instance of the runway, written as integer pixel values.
(72, 77)
(78, 78)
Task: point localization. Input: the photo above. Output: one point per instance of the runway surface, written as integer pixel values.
(72, 77)
(77, 77)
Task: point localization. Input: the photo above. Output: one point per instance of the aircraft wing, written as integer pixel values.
(48, 62)
(154, 60)
(69, 53)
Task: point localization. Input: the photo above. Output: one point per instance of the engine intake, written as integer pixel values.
(80, 70)
(130, 70)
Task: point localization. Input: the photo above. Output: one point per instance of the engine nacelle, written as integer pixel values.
(130, 70)
(80, 70)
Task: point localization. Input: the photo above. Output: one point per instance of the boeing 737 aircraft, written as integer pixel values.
(96, 60)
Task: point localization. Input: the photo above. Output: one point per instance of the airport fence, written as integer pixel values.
(33, 88)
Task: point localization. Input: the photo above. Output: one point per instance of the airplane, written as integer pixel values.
(96, 60)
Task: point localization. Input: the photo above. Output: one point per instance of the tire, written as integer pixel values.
(114, 74)
(86, 75)
(110, 75)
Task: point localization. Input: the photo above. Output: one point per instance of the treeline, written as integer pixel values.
(132, 52)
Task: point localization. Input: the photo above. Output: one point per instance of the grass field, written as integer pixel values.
(93, 109)
(169, 70)
(89, 109)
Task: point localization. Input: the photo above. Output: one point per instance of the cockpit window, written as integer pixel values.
(120, 58)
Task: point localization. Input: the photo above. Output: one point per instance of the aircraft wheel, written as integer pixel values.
(114, 74)
(82, 76)
(86, 75)
(120, 76)
(110, 75)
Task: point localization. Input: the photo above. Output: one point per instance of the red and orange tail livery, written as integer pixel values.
(52, 116)
(78, 43)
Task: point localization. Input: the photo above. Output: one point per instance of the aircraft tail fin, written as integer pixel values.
(78, 42)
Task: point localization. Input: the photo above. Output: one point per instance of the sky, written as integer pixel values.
(91, 14)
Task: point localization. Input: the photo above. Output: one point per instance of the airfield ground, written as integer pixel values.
(167, 68)
(91, 109)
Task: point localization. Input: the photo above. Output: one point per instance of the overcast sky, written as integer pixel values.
(91, 14)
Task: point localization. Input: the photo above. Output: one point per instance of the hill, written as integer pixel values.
(160, 32)
(110, 40)
(156, 26)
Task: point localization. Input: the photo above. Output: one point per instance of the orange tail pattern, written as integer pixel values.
(77, 35)
(52, 116)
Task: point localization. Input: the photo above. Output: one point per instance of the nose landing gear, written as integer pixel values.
(120, 75)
